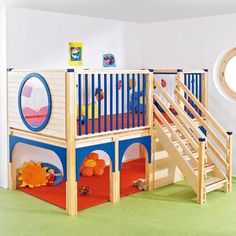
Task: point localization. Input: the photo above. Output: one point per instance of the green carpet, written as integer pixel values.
(170, 210)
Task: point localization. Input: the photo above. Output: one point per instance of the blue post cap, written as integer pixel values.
(202, 139)
(70, 70)
(205, 70)
(229, 133)
(151, 70)
(179, 70)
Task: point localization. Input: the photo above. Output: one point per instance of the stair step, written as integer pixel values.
(214, 183)
(209, 167)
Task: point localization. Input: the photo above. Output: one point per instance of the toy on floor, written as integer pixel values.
(137, 102)
(54, 175)
(92, 165)
(85, 191)
(33, 175)
(141, 184)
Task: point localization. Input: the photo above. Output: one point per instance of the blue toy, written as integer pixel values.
(138, 101)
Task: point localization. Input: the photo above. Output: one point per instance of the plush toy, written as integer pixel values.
(33, 175)
(141, 184)
(173, 110)
(119, 85)
(131, 83)
(97, 92)
(137, 100)
(83, 111)
(92, 165)
(163, 83)
(85, 191)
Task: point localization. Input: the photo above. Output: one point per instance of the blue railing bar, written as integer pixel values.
(122, 100)
(80, 104)
(133, 92)
(117, 102)
(99, 103)
(105, 102)
(93, 102)
(139, 100)
(86, 102)
(200, 91)
(111, 102)
(144, 98)
(128, 89)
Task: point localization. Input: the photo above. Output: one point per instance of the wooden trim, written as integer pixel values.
(149, 100)
(115, 176)
(177, 123)
(229, 161)
(180, 112)
(38, 137)
(203, 123)
(71, 184)
(203, 109)
(175, 136)
(102, 71)
(228, 56)
(201, 197)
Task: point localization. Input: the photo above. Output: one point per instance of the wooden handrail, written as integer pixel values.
(176, 122)
(180, 112)
(205, 112)
(202, 122)
(178, 139)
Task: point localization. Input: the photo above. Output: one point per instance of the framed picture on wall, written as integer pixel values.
(75, 54)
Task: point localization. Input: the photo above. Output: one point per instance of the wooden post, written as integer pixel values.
(205, 89)
(115, 176)
(71, 133)
(201, 197)
(149, 122)
(229, 161)
(12, 172)
(179, 77)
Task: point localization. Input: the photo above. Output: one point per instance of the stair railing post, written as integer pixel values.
(201, 175)
(179, 76)
(229, 161)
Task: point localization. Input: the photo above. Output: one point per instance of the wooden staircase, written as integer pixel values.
(205, 161)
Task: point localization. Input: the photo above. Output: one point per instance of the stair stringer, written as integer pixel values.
(176, 156)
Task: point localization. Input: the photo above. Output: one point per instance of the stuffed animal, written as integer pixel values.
(137, 100)
(92, 165)
(85, 191)
(141, 184)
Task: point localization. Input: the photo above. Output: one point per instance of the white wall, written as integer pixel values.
(39, 39)
(194, 43)
(3, 103)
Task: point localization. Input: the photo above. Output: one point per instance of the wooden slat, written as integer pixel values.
(175, 136)
(209, 117)
(202, 122)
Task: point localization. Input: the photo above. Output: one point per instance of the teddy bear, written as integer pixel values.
(141, 184)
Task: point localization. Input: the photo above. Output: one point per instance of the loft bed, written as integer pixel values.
(75, 112)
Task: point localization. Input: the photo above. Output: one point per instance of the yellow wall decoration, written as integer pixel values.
(75, 54)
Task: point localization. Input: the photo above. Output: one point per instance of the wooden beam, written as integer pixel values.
(71, 132)
(201, 196)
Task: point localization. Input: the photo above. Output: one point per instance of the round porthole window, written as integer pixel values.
(228, 73)
(34, 102)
